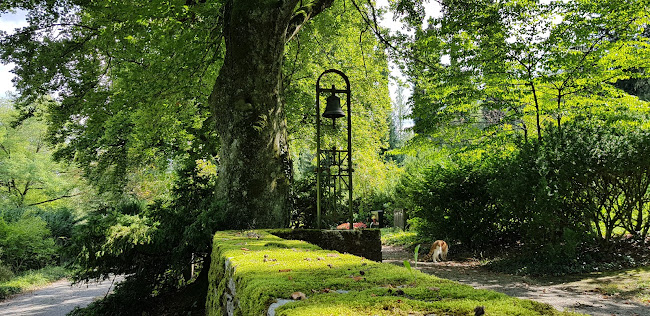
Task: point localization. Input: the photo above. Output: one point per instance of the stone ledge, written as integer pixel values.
(252, 271)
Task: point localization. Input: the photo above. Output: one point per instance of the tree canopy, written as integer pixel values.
(513, 66)
(29, 176)
(181, 114)
(143, 84)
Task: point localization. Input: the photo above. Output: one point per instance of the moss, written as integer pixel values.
(264, 273)
(276, 244)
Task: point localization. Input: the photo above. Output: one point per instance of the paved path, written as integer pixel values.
(57, 299)
(562, 296)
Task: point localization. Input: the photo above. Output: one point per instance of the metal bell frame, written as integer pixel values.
(334, 152)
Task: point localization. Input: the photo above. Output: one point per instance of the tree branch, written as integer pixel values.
(373, 23)
(304, 14)
(54, 199)
(5, 150)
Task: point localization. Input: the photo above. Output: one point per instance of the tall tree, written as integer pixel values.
(136, 76)
(254, 158)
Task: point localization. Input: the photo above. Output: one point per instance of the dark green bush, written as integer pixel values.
(5, 273)
(60, 222)
(303, 203)
(6, 291)
(155, 243)
(454, 202)
(552, 198)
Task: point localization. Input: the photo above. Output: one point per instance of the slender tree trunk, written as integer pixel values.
(254, 161)
(537, 111)
(559, 111)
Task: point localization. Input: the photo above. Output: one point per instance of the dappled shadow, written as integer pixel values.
(56, 299)
(557, 292)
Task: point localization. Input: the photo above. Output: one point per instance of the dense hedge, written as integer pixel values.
(360, 242)
(556, 197)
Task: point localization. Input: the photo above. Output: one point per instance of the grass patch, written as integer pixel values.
(398, 237)
(337, 284)
(31, 280)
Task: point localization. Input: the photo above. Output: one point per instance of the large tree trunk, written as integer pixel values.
(255, 167)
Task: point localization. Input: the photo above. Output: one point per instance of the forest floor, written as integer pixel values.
(585, 294)
(56, 299)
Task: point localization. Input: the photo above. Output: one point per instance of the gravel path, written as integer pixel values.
(57, 299)
(562, 296)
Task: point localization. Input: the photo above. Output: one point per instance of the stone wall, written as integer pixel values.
(259, 274)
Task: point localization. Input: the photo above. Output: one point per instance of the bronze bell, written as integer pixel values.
(333, 109)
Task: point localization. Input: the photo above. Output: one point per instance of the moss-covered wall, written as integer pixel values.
(252, 270)
(361, 242)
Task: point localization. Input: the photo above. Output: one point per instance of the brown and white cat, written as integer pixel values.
(438, 249)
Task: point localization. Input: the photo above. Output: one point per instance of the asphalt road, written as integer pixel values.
(57, 299)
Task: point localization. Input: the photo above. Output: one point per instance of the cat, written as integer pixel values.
(438, 249)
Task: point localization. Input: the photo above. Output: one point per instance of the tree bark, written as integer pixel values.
(254, 161)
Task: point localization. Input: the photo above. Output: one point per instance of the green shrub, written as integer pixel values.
(60, 221)
(5, 273)
(26, 244)
(155, 243)
(7, 290)
(548, 198)
(454, 202)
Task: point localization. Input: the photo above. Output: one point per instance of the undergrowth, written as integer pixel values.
(31, 280)
(586, 258)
